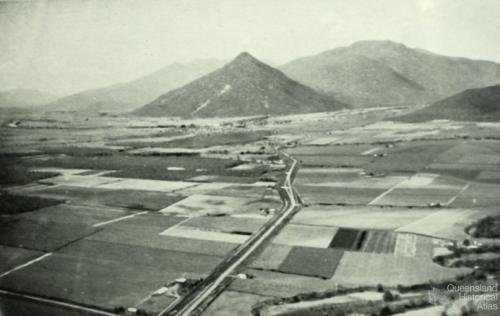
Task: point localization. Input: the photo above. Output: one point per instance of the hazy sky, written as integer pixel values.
(66, 46)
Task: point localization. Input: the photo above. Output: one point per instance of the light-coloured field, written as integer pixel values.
(225, 223)
(447, 223)
(379, 183)
(196, 233)
(283, 309)
(231, 303)
(373, 268)
(272, 283)
(271, 257)
(62, 171)
(89, 181)
(202, 188)
(369, 217)
(199, 204)
(147, 185)
(306, 236)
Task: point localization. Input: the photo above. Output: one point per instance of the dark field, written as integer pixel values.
(129, 166)
(78, 151)
(14, 203)
(203, 141)
(330, 195)
(345, 238)
(144, 231)
(74, 214)
(314, 262)
(410, 157)
(334, 160)
(131, 199)
(38, 235)
(10, 306)
(11, 257)
(226, 224)
(106, 275)
(11, 173)
(333, 150)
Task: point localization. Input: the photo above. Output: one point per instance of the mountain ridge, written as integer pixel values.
(127, 96)
(244, 86)
(379, 69)
(482, 104)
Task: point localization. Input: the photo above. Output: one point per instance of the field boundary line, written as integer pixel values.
(119, 219)
(375, 200)
(24, 265)
(57, 303)
(370, 151)
(176, 225)
(459, 192)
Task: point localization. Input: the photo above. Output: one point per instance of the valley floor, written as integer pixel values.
(108, 216)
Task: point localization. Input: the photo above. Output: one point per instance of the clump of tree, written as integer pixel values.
(488, 227)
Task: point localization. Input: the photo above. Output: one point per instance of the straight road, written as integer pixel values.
(191, 304)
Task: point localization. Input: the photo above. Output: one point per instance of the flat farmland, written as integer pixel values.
(205, 235)
(199, 204)
(230, 177)
(142, 167)
(410, 245)
(312, 194)
(15, 203)
(361, 268)
(410, 157)
(306, 236)
(133, 199)
(447, 223)
(313, 262)
(271, 257)
(225, 224)
(379, 242)
(244, 191)
(11, 257)
(272, 283)
(484, 195)
(361, 217)
(12, 173)
(334, 161)
(417, 197)
(106, 275)
(142, 184)
(75, 214)
(231, 303)
(333, 150)
(40, 235)
(17, 306)
(206, 140)
(360, 183)
(145, 230)
(347, 239)
(308, 175)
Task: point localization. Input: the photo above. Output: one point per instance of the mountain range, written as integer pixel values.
(364, 74)
(378, 73)
(243, 87)
(125, 97)
(481, 104)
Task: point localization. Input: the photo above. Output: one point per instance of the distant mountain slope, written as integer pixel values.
(129, 96)
(470, 105)
(243, 87)
(371, 73)
(24, 98)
